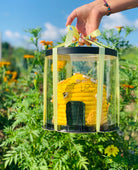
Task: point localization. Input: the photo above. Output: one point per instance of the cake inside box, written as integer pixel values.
(77, 101)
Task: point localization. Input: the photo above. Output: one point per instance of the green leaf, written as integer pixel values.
(43, 168)
(6, 163)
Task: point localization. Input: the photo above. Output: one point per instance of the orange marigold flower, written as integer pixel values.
(28, 56)
(8, 72)
(125, 85)
(36, 73)
(60, 65)
(131, 87)
(4, 63)
(46, 42)
(14, 75)
(119, 28)
(5, 79)
(12, 81)
(128, 86)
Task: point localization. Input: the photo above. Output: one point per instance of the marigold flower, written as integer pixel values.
(5, 79)
(111, 150)
(12, 81)
(28, 56)
(60, 65)
(14, 75)
(46, 42)
(128, 86)
(4, 63)
(119, 28)
(131, 87)
(8, 72)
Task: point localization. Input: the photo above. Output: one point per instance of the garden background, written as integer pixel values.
(25, 145)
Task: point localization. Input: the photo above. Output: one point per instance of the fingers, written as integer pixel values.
(71, 17)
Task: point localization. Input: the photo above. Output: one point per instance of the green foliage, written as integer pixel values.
(116, 39)
(35, 32)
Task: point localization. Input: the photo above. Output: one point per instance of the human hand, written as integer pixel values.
(88, 17)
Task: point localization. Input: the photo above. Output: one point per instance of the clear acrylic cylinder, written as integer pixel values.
(81, 91)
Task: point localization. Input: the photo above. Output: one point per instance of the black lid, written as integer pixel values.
(81, 50)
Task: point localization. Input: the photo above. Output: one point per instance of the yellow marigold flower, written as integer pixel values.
(60, 65)
(7, 90)
(5, 79)
(28, 56)
(111, 150)
(12, 81)
(8, 72)
(4, 63)
(14, 75)
(46, 42)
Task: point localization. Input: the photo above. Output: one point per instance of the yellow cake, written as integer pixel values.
(84, 89)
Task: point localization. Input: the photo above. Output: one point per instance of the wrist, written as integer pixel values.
(103, 7)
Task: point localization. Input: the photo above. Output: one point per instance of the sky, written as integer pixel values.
(16, 16)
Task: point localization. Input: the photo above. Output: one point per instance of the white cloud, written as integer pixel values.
(11, 34)
(117, 19)
(52, 32)
(113, 20)
(136, 24)
(16, 39)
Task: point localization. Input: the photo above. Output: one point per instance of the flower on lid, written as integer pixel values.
(111, 150)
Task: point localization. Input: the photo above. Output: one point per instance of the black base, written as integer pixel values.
(81, 129)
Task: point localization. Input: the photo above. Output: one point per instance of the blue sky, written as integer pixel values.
(18, 15)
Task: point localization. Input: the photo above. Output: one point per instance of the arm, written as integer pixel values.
(89, 16)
